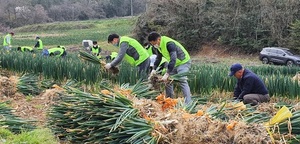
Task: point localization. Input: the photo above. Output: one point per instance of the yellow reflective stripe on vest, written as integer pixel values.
(143, 55)
(164, 51)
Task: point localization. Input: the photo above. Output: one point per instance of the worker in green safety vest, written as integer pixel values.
(58, 51)
(179, 62)
(162, 67)
(39, 44)
(112, 56)
(133, 52)
(96, 49)
(25, 49)
(7, 41)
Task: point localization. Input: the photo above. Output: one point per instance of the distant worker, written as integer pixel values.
(179, 62)
(58, 51)
(39, 44)
(96, 49)
(7, 41)
(132, 51)
(25, 49)
(249, 88)
(162, 67)
(112, 56)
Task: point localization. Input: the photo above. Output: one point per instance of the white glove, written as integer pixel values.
(108, 66)
(153, 72)
(165, 77)
(9, 46)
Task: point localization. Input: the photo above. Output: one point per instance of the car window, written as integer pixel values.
(280, 52)
(273, 51)
(289, 52)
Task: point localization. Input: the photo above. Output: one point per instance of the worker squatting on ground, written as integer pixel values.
(7, 41)
(249, 88)
(132, 51)
(162, 67)
(39, 43)
(179, 62)
(25, 49)
(96, 49)
(58, 51)
(111, 57)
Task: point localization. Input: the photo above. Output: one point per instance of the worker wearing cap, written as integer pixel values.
(7, 41)
(25, 49)
(39, 44)
(132, 51)
(179, 62)
(58, 51)
(249, 88)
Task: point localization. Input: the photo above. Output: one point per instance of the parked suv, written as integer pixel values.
(278, 55)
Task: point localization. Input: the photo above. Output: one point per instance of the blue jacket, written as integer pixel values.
(250, 83)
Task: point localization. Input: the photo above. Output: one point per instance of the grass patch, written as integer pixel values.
(37, 136)
(72, 33)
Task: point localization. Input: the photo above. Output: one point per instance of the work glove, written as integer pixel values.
(108, 66)
(165, 77)
(153, 72)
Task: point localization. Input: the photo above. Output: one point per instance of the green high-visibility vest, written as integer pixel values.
(26, 48)
(95, 50)
(6, 43)
(143, 55)
(150, 52)
(164, 51)
(56, 51)
(41, 45)
(113, 55)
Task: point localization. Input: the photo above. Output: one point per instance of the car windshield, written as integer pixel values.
(289, 52)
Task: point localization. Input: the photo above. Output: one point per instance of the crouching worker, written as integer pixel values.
(25, 49)
(163, 64)
(249, 88)
(59, 51)
(96, 49)
(112, 56)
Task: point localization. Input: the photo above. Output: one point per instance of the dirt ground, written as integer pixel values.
(27, 107)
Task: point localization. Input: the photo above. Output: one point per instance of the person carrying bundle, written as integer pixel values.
(132, 51)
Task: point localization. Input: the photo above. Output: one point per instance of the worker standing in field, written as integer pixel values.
(96, 49)
(7, 41)
(58, 51)
(39, 43)
(132, 51)
(163, 64)
(179, 62)
(249, 88)
(25, 49)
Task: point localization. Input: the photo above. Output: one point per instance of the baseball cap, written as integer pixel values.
(234, 68)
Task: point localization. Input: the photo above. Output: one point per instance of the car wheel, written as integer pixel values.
(289, 63)
(265, 60)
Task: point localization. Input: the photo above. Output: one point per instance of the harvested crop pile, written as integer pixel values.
(120, 115)
(8, 86)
